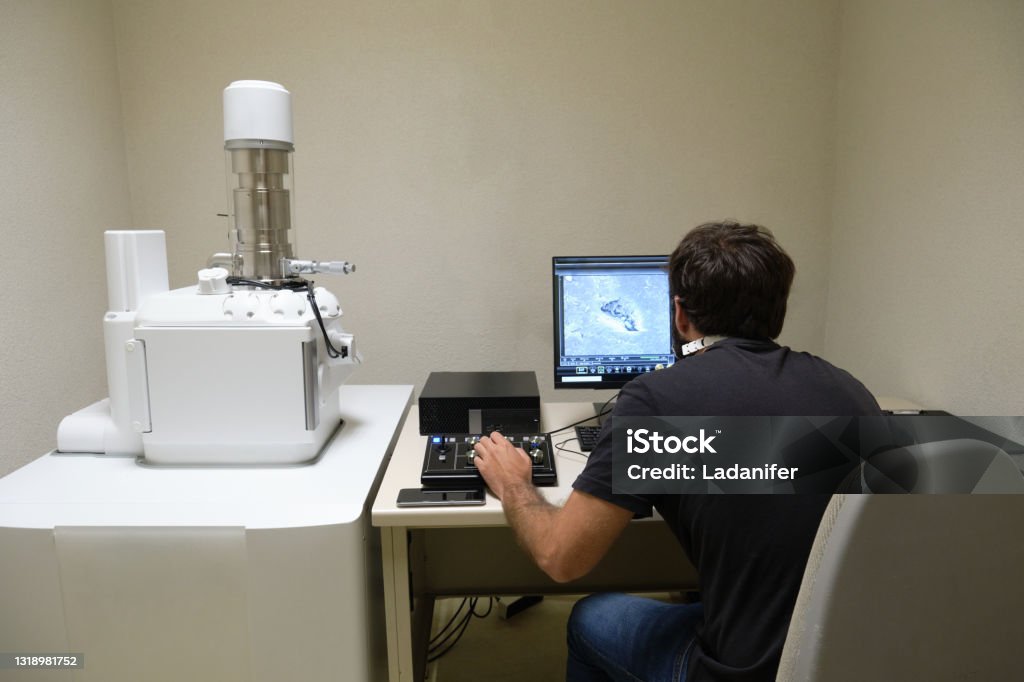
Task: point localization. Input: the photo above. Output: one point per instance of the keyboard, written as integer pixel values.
(587, 437)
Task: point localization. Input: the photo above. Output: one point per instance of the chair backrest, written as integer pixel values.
(915, 587)
(947, 467)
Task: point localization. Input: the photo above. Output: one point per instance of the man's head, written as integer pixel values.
(731, 280)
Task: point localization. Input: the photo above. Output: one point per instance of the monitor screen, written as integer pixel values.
(612, 319)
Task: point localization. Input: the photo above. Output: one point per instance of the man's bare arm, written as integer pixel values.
(566, 542)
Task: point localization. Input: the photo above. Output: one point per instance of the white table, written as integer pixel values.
(430, 552)
(259, 574)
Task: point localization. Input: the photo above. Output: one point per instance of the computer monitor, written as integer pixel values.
(612, 319)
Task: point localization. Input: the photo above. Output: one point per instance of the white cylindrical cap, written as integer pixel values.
(257, 110)
(214, 281)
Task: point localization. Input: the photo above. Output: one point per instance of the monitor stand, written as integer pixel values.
(607, 405)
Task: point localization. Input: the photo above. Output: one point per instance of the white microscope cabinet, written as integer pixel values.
(225, 574)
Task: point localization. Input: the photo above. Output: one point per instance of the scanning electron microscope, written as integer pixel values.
(244, 367)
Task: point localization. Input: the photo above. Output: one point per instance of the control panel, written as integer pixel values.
(450, 460)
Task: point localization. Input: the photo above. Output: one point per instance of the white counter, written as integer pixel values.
(99, 490)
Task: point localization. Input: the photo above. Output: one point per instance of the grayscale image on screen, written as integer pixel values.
(621, 314)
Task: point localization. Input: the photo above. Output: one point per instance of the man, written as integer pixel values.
(729, 284)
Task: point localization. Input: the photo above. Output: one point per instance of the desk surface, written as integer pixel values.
(407, 463)
(99, 490)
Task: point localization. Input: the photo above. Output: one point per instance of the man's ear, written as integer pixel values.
(681, 320)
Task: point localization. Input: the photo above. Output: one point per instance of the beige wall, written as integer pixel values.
(927, 267)
(450, 148)
(62, 182)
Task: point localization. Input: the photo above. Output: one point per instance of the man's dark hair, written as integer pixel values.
(733, 280)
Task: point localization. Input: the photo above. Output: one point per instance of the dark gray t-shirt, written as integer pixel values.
(749, 550)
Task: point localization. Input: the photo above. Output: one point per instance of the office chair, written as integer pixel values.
(916, 587)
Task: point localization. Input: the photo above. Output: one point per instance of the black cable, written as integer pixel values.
(560, 447)
(441, 648)
(566, 428)
(456, 631)
(435, 651)
(331, 350)
(291, 284)
(600, 413)
(603, 411)
(434, 656)
(296, 285)
(490, 607)
(447, 625)
(437, 641)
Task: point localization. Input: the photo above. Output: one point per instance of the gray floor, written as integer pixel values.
(529, 646)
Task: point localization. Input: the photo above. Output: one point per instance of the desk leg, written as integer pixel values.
(397, 603)
(408, 617)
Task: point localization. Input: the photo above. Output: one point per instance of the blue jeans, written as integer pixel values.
(622, 638)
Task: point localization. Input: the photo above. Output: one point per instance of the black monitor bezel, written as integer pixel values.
(600, 381)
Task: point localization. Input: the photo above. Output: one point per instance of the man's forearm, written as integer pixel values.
(565, 542)
(533, 520)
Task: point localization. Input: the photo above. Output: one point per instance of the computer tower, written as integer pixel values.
(480, 402)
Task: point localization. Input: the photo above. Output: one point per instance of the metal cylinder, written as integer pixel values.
(262, 208)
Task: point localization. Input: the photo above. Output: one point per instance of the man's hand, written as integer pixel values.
(501, 464)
